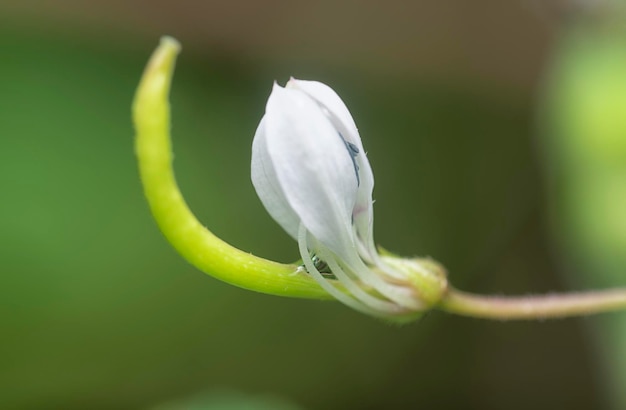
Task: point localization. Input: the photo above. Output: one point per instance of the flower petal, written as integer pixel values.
(313, 167)
(328, 98)
(267, 187)
(341, 118)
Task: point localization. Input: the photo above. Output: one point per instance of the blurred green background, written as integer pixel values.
(497, 134)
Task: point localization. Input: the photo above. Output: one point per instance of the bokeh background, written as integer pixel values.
(497, 133)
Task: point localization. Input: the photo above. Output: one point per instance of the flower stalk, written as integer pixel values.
(198, 245)
(384, 286)
(550, 306)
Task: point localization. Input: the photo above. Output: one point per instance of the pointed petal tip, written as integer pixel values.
(292, 83)
(276, 86)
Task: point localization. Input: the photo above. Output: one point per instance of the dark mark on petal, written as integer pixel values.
(353, 150)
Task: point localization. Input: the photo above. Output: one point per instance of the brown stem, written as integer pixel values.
(534, 306)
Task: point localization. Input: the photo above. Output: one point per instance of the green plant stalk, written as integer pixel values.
(204, 250)
(215, 257)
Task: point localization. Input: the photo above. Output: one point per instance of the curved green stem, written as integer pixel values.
(217, 258)
(533, 307)
(193, 241)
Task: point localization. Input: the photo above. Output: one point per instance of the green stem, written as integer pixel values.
(215, 257)
(193, 241)
(533, 307)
